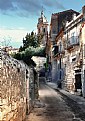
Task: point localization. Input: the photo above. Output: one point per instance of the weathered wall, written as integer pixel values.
(83, 54)
(12, 89)
(54, 72)
(70, 69)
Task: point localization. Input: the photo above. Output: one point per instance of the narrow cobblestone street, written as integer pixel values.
(55, 108)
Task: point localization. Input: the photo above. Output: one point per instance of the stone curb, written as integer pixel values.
(77, 99)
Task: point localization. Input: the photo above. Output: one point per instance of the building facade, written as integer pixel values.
(58, 21)
(82, 30)
(59, 53)
(66, 51)
(73, 55)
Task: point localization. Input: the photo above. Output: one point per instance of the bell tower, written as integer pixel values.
(42, 29)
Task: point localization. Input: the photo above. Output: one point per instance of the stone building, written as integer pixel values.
(82, 35)
(59, 53)
(58, 21)
(72, 59)
(42, 28)
(70, 55)
(66, 45)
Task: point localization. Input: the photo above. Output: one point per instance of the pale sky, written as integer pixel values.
(19, 17)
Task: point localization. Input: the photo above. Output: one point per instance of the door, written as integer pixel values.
(78, 84)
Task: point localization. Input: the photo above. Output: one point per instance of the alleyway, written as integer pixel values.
(55, 108)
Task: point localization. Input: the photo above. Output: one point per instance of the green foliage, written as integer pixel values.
(21, 48)
(30, 40)
(40, 52)
(17, 56)
(31, 47)
(28, 53)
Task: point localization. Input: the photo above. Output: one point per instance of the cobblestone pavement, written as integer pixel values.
(52, 107)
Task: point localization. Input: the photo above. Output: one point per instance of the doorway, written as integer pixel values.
(78, 84)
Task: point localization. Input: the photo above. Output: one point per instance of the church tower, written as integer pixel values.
(42, 28)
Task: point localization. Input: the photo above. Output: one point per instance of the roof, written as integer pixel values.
(64, 12)
(59, 19)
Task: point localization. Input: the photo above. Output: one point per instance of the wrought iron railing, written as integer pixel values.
(74, 40)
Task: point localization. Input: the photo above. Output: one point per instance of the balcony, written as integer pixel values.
(58, 51)
(61, 50)
(73, 41)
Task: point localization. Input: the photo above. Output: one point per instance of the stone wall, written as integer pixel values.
(13, 89)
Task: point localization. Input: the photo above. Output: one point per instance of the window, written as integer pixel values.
(68, 58)
(39, 30)
(60, 63)
(44, 30)
(55, 50)
(73, 59)
(73, 38)
(60, 74)
(60, 47)
(84, 75)
(67, 36)
(73, 34)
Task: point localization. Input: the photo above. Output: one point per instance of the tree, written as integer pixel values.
(28, 53)
(21, 49)
(30, 40)
(31, 47)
